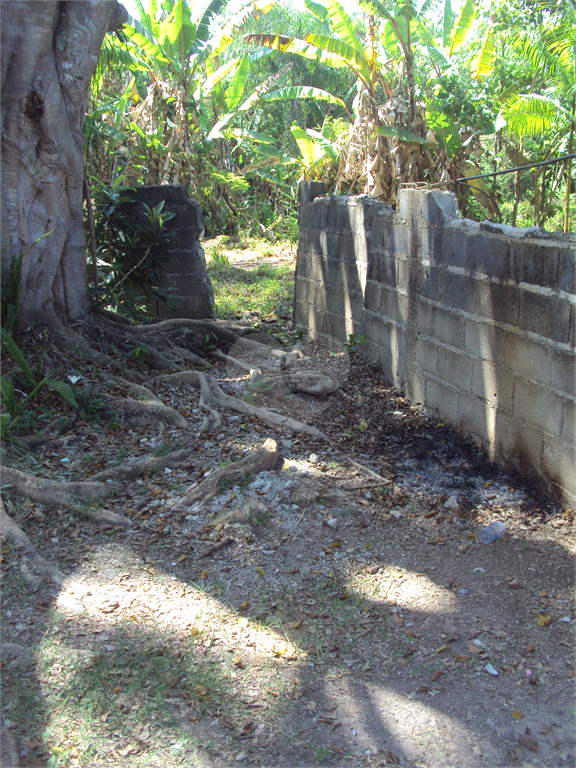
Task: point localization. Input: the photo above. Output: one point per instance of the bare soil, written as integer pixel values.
(354, 619)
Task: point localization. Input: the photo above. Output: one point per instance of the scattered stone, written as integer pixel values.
(452, 503)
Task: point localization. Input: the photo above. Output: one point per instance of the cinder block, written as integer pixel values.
(430, 283)
(547, 316)
(458, 291)
(563, 369)
(442, 399)
(455, 368)
(453, 247)
(362, 246)
(521, 442)
(485, 341)
(535, 263)
(569, 424)
(489, 255)
(498, 302)
(538, 406)
(314, 244)
(567, 269)
(394, 304)
(477, 417)
(372, 299)
(429, 244)
(527, 358)
(415, 385)
(331, 249)
(347, 247)
(445, 326)
(426, 355)
(308, 190)
(559, 463)
(494, 384)
(338, 218)
(396, 237)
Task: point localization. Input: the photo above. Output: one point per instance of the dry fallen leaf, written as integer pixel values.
(243, 621)
(529, 743)
(298, 624)
(436, 674)
(462, 659)
(237, 661)
(204, 574)
(442, 648)
(543, 620)
(74, 533)
(530, 648)
(516, 715)
(194, 631)
(397, 619)
(200, 691)
(261, 572)
(182, 558)
(410, 634)
(243, 606)
(423, 689)
(473, 648)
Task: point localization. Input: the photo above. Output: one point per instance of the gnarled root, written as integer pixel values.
(131, 471)
(265, 458)
(34, 567)
(73, 496)
(214, 397)
(136, 411)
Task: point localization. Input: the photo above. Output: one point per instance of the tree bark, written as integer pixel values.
(49, 54)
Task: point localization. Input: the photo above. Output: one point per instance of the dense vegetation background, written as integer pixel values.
(241, 106)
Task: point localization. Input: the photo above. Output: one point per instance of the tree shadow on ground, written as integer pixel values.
(342, 670)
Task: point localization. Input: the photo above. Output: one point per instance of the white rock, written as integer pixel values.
(313, 459)
(452, 503)
(397, 513)
(490, 669)
(332, 523)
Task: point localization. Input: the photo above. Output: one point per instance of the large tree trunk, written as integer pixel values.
(49, 54)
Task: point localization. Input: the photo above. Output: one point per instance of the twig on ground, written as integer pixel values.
(216, 547)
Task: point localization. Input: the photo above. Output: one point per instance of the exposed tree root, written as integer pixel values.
(214, 397)
(131, 471)
(298, 381)
(74, 342)
(265, 458)
(142, 393)
(34, 567)
(73, 496)
(136, 412)
(58, 427)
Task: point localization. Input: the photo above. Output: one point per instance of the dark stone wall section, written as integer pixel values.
(185, 279)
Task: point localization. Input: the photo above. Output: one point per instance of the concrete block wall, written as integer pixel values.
(184, 279)
(476, 321)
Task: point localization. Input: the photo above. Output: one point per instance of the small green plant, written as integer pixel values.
(137, 353)
(207, 343)
(219, 258)
(322, 753)
(363, 425)
(354, 341)
(13, 398)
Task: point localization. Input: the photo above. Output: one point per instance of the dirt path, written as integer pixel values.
(352, 621)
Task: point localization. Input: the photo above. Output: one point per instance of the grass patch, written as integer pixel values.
(264, 290)
(132, 699)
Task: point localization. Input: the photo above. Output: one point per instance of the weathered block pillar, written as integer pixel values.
(184, 279)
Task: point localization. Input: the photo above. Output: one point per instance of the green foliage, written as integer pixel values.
(14, 397)
(131, 249)
(354, 342)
